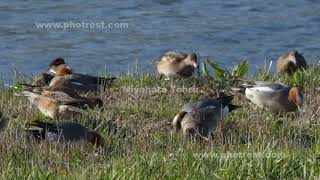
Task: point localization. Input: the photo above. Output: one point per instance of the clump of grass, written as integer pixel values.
(137, 123)
(238, 71)
(309, 78)
(264, 74)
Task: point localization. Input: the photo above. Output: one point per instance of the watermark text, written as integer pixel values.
(239, 155)
(81, 25)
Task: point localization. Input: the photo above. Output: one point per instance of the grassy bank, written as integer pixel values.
(136, 123)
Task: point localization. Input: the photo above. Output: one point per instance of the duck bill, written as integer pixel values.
(52, 71)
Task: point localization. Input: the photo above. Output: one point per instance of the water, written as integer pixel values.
(224, 31)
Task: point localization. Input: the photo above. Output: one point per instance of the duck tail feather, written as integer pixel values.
(225, 99)
(233, 107)
(37, 134)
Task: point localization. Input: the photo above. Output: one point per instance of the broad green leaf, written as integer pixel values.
(218, 72)
(241, 69)
(206, 70)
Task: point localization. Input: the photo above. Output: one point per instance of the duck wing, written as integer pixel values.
(88, 79)
(62, 98)
(174, 56)
(205, 103)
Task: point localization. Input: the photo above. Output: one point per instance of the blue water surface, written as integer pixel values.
(224, 31)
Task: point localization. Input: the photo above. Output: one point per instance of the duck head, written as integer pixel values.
(191, 60)
(295, 96)
(177, 120)
(292, 57)
(64, 70)
(56, 63)
(297, 59)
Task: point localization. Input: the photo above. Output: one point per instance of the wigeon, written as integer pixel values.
(45, 78)
(59, 63)
(177, 64)
(78, 101)
(277, 97)
(65, 132)
(65, 80)
(291, 62)
(56, 109)
(198, 118)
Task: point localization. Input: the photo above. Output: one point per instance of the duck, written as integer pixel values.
(58, 63)
(62, 108)
(79, 101)
(198, 118)
(177, 64)
(290, 62)
(277, 97)
(64, 132)
(65, 80)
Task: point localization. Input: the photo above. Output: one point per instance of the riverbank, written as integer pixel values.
(136, 123)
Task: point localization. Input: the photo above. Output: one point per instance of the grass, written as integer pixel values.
(249, 143)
